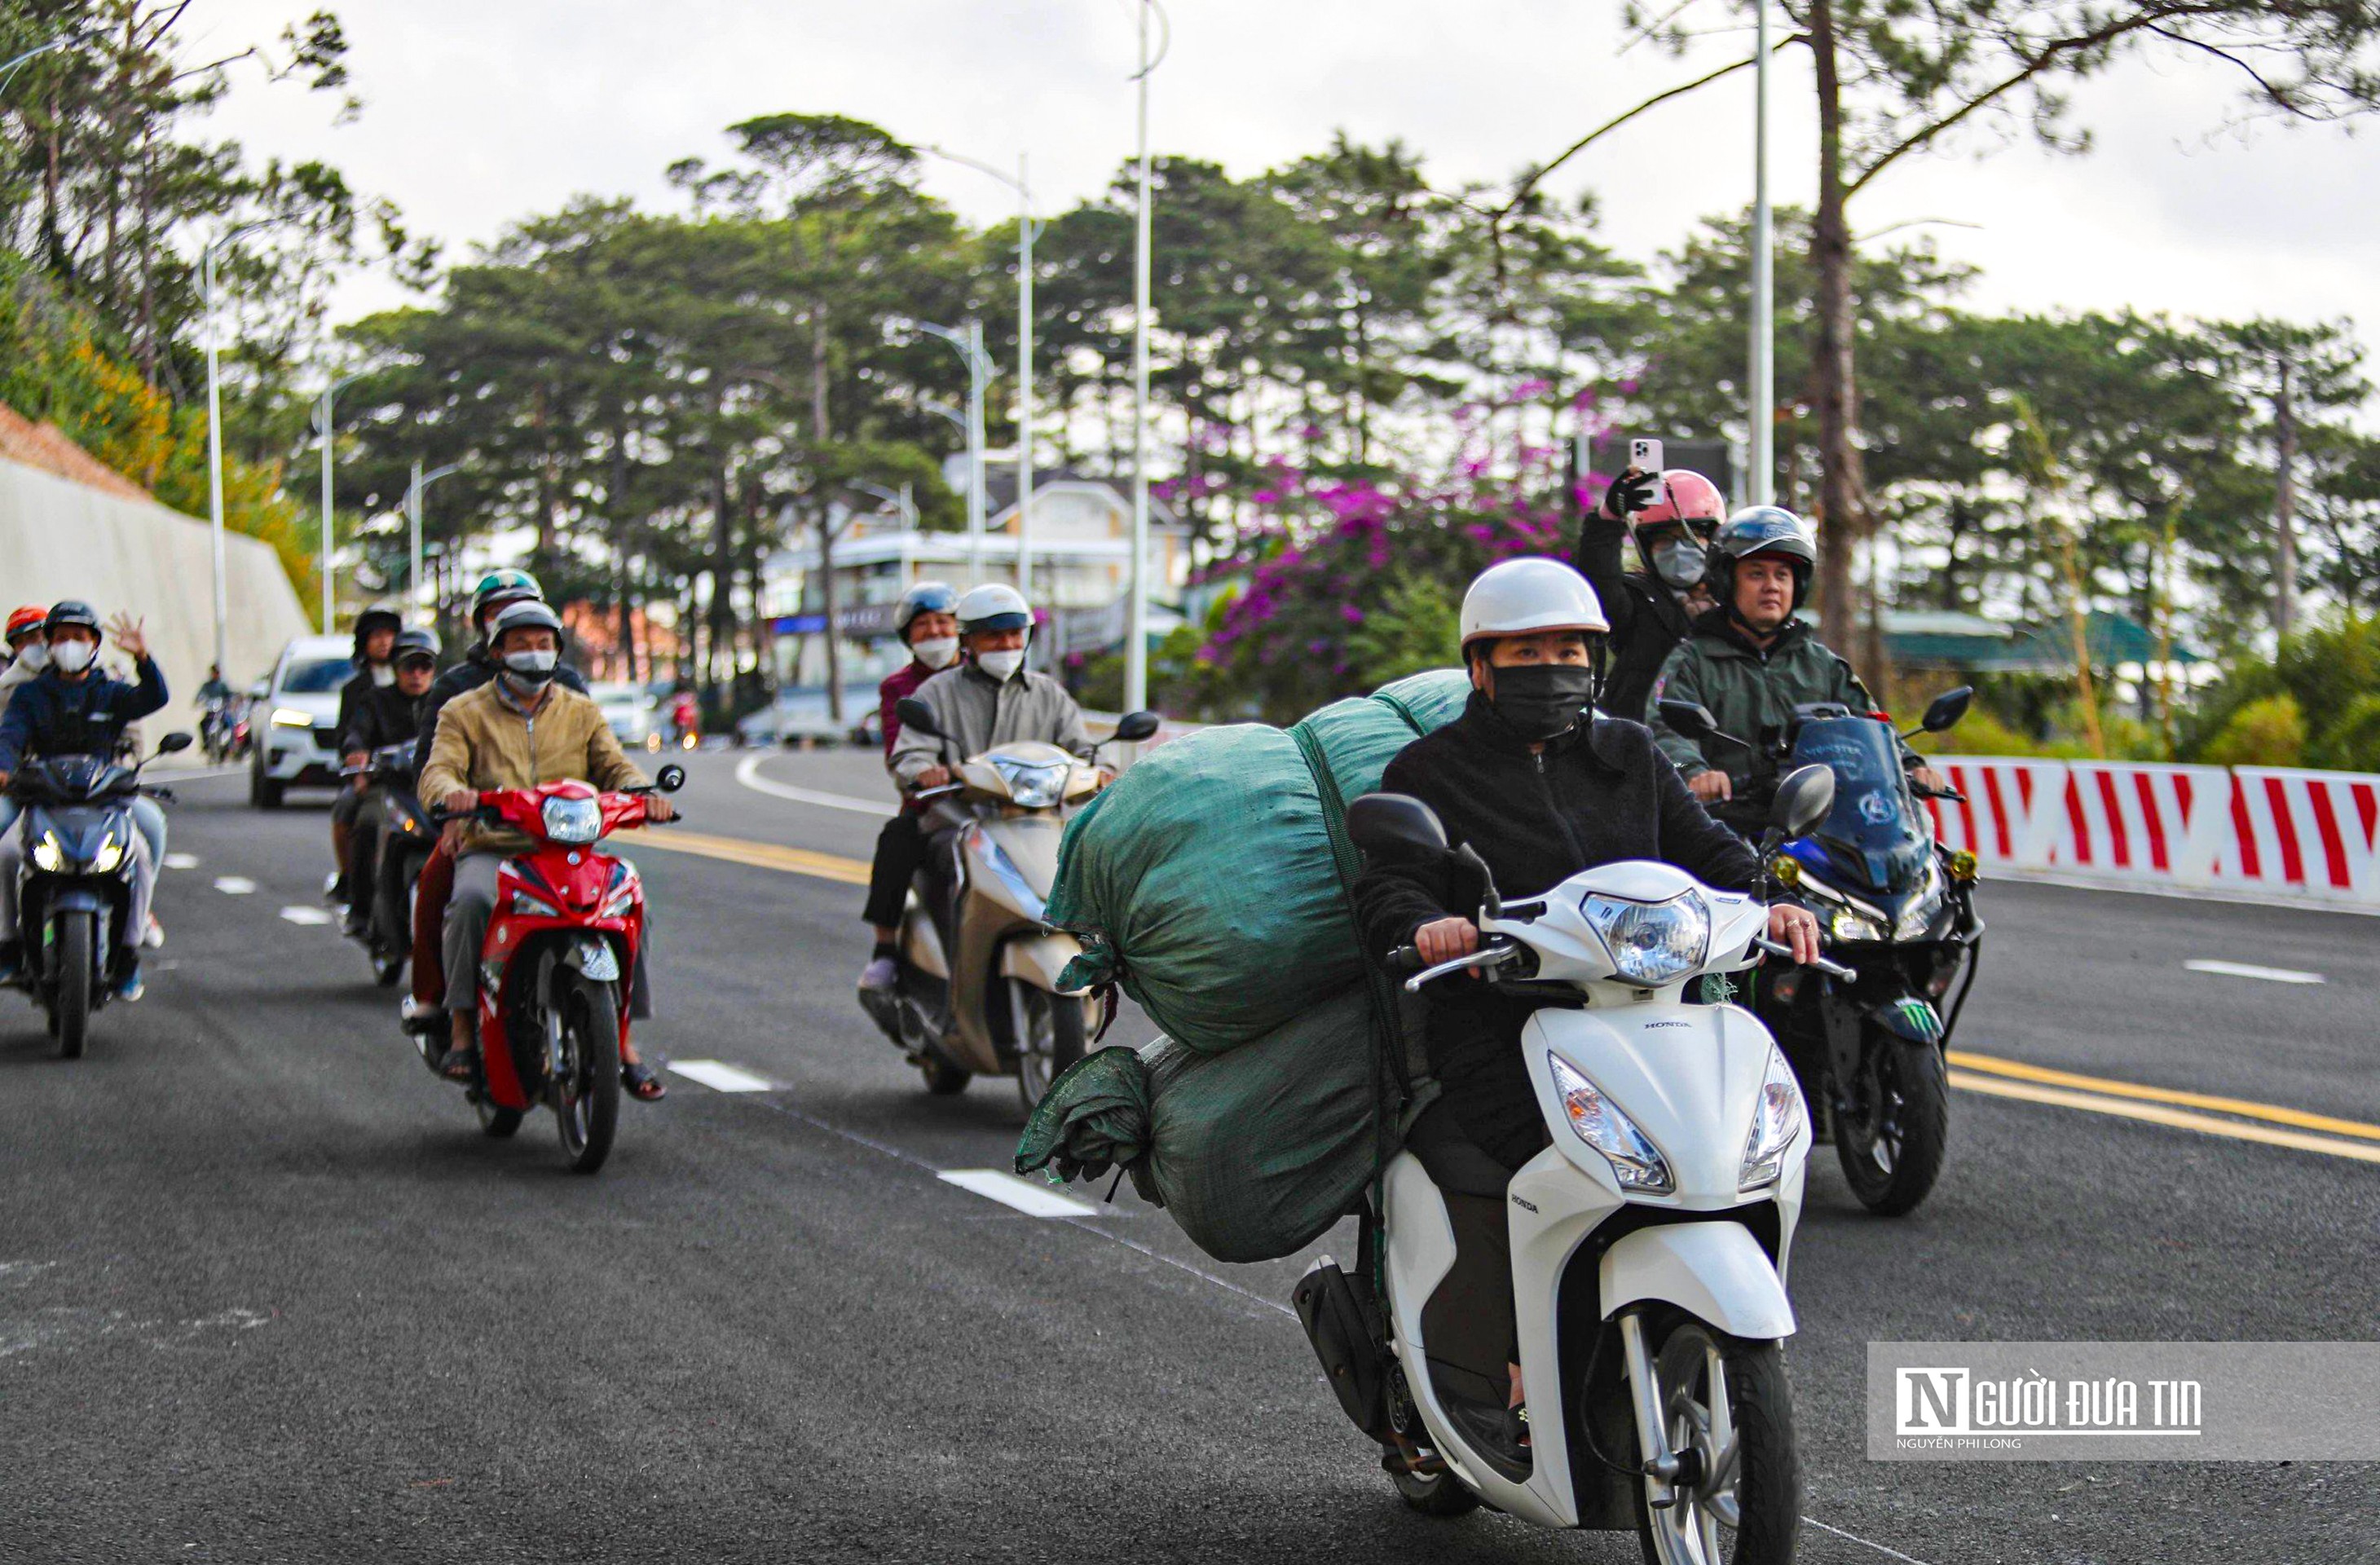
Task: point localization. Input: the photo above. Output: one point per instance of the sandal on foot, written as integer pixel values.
(460, 1064)
(644, 1084)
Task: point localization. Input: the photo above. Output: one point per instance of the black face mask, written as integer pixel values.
(1541, 700)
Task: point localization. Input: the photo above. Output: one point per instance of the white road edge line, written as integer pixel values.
(748, 772)
(720, 1076)
(233, 885)
(306, 915)
(181, 861)
(2250, 970)
(1033, 1200)
(1870, 1543)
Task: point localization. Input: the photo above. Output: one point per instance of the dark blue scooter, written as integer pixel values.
(74, 890)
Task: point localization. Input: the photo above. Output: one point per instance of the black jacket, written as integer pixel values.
(476, 669)
(372, 715)
(380, 715)
(51, 715)
(1597, 794)
(1646, 618)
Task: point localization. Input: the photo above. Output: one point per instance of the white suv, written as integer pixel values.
(293, 727)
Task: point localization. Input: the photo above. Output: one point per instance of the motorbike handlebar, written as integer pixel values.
(1832, 970)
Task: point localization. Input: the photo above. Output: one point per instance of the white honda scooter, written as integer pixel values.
(1649, 1243)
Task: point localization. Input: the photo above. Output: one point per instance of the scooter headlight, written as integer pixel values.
(572, 820)
(1652, 942)
(48, 856)
(110, 854)
(292, 717)
(1776, 1119)
(1635, 1162)
(1033, 786)
(528, 904)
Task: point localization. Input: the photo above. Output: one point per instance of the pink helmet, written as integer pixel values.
(1684, 496)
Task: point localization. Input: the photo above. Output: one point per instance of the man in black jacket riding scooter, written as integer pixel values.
(1541, 788)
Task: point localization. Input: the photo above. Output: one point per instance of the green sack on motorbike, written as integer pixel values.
(1210, 880)
(1255, 1153)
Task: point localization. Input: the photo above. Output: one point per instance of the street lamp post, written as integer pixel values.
(9, 68)
(422, 480)
(1135, 652)
(1761, 414)
(214, 434)
(1024, 228)
(322, 429)
(968, 345)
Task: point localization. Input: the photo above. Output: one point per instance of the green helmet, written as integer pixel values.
(498, 588)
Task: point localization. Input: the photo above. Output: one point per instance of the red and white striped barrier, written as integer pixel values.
(2269, 831)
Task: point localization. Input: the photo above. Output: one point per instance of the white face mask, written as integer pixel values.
(383, 676)
(73, 657)
(36, 656)
(1001, 666)
(937, 652)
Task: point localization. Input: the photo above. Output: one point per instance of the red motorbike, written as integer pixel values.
(558, 963)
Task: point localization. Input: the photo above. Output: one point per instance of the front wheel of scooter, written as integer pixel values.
(70, 1012)
(586, 1090)
(1746, 1508)
(1049, 1030)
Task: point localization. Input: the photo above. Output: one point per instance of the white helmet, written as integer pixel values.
(1529, 596)
(993, 607)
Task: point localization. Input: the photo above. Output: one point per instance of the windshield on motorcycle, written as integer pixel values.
(1876, 831)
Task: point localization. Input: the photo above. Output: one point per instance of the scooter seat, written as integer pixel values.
(1453, 1161)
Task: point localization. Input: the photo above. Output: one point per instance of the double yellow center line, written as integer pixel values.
(2269, 1124)
(2237, 1119)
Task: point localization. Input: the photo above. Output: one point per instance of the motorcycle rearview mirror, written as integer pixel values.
(1132, 727)
(1691, 719)
(915, 713)
(1383, 822)
(1804, 798)
(1947, 708)
(670, 778)
(1694, 720)
(178, 740)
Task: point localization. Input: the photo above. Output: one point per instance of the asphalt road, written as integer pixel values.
(266, 1294)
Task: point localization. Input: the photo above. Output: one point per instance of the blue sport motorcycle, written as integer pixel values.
(1898, 909)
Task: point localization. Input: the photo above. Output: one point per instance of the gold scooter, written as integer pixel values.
(978, 990)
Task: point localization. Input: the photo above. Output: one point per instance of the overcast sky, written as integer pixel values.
(480, 112)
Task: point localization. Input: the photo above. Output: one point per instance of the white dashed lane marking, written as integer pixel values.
(233, 885)
(1033, 1200)
(720, 1076)
(305, 916)
(2249, 970)
(181, 861)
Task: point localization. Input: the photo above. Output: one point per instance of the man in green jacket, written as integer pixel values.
(1751, 662)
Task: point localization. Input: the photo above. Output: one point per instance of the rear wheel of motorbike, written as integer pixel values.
(943, 1079)
(585, 1091)
(1893, 1142)
(1048, 1032)
(72, 1013)
(1747, 1508)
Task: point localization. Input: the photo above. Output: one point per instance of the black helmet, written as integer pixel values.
(526, 612)
(70, 612)
(380, 616)
(923, 598)
(416, 643)
(1763, 530)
